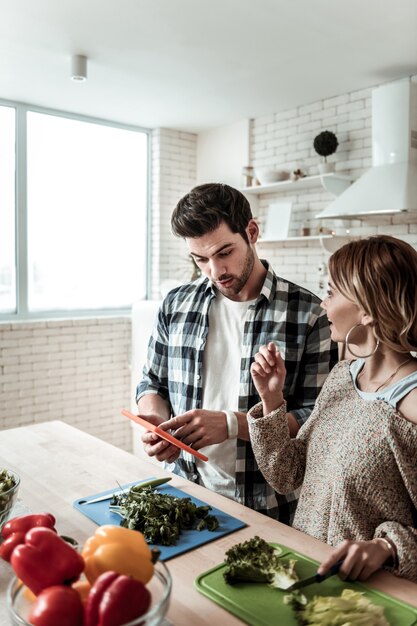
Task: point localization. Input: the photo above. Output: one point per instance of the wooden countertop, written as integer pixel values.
(58, 463)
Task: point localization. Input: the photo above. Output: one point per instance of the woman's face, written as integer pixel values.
(341, 313)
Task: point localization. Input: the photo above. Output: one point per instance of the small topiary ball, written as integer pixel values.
(325, 143)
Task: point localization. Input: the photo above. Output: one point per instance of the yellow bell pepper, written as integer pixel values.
(120, 550)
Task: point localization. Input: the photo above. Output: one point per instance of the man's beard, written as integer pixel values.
(238, 281)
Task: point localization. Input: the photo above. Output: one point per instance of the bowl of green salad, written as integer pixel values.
(9, 486)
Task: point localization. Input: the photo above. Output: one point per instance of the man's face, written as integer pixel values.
(224, 257)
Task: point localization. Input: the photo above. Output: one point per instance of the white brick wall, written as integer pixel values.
(175, 171)
(285, 140)
(73, 370)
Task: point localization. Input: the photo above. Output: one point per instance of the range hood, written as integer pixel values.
(390, 186)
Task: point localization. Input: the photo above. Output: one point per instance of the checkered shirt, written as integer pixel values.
(284, 313)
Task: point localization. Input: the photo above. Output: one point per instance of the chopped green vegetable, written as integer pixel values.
(7, 482)
(351, 608)
(295, 598)
(160, 516)
(257, 561)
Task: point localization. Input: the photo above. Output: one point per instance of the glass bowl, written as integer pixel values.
(8, 498)
(160, 586)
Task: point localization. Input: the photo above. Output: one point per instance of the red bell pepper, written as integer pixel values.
(9, 544)
(14, 531)
(116, 599)
(57, 606)
(44, 559)
(23, 523)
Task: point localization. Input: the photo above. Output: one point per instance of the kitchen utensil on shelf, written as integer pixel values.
(268, 175)
(163, 434)
(153, 482)
(317, 578)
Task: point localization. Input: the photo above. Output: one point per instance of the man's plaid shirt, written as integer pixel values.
(284, 313)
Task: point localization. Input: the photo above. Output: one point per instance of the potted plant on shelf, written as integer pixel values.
(325, 144)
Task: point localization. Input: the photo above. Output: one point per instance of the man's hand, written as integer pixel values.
(198, 428)
(360, 558)
(156, 447)
(156, 410)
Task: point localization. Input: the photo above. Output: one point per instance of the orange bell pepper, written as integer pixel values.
(83, 588)
(118, 549)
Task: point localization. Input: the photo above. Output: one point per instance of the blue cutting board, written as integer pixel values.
(99, 513)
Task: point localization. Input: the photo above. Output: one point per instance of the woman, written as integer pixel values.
(356, 457)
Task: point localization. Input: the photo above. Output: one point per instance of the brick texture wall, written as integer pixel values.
(285, 141)
(174, 174)
(73, 370)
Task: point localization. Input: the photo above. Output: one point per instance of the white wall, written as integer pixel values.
(285, 140)
(71, 370)
(222, 153)
(174, 174)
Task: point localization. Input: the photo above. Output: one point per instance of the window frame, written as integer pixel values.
(21, 222)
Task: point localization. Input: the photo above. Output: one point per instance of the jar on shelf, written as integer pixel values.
(304, 229)
(248, 176)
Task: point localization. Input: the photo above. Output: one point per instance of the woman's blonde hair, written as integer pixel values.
(379, 274)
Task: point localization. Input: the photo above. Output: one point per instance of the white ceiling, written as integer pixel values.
(197, 64)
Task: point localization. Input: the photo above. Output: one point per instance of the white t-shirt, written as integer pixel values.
(221, 380)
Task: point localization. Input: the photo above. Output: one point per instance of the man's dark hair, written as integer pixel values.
(205, 207)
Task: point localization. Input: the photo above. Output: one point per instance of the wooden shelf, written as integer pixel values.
(297, 239)
(334, 183)
(329, 243)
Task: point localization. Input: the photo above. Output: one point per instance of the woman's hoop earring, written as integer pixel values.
(359, 356)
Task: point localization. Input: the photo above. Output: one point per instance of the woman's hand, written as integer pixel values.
(360, 558)
(268, 374)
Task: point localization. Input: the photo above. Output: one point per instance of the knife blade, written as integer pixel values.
(153, 482)
(316, 578)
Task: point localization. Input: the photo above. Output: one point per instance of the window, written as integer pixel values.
(7, 210)
(84, 217)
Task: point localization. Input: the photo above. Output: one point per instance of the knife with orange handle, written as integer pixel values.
(163, 434)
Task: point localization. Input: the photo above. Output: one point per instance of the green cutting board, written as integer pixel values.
(260, 605)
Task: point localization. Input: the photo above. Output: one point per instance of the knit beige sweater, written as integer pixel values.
(356, 461)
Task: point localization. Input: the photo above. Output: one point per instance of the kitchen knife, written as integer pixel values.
(152, 482)
(317, 578)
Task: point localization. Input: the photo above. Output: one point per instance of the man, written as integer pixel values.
(205, 339)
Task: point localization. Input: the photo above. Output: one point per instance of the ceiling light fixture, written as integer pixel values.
(79, 68)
